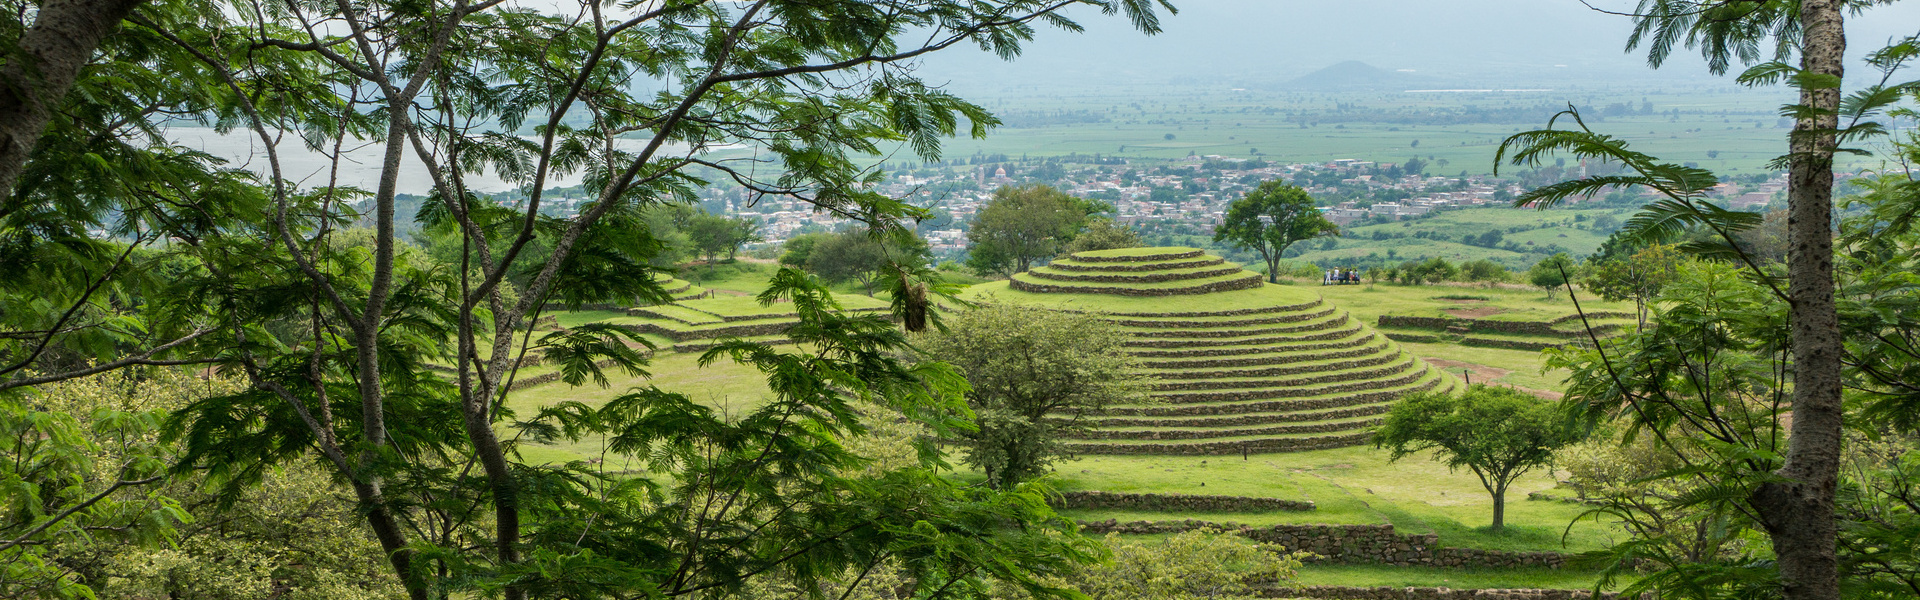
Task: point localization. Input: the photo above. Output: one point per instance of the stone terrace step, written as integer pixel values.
(1069, 264)
(1414, 371)
(1261, 444)
(1361, 345)
(1262, 341)
(1329, 426)
(1354, 337)
(1321, 324)
(1229, 321)
(1306, 402)
(1126, 257)
(1026, 282)
(1141, 277)
(1367, 372)
(1362, 410)
(1213, 313)
(1383, 355)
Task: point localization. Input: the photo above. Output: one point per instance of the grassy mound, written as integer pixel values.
(1235, 365)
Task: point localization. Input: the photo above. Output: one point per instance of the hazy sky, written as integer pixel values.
(1256, 42)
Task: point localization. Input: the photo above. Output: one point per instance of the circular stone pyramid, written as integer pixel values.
(1234, 364)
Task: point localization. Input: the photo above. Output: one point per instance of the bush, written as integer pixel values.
(1484, 270)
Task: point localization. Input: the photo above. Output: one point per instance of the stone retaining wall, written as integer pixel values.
(1365, 347)
(1270, 406)
(773, 328)
(1253, 281)
(1493, 326)
(1203, 434)
(1226, 448)
(1326, 378)
(1342, 401)
(1123, 267)
(1364, 410)
(1178, 502)
(1138, 258)
(1226, 333)
(1149, 278)
(1410, 376)
(1414, 338)
(556, 306)
(1350, 544)
(1509, 344)
(1370, 360)
(1339, 592)
(521, 383)
(1243, 350)
(1217, 313)
(1283, 318)
(1266, 341)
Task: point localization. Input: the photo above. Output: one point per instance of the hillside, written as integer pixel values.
(1237, 365)
(1355, 75)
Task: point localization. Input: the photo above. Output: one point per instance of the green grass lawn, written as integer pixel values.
(1512, 303)
(1456, 578)
(576, 318)
(1263, 296)
(1354, 485)
(723, 385)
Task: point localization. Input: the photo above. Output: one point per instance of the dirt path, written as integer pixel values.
(1485, 374)
(1473, 313)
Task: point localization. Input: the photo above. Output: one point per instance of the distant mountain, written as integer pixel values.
(1356, 75)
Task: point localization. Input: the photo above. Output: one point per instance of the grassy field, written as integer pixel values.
(1571, 229)
(1456, 578)
(1725, 129)
(1355, 485)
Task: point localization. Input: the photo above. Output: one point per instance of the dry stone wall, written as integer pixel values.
(1365, 410)
(1494, 326)
(1365, 347)
(1299, 444)
(1290, 340)
(1348, 342)
(1188, 324)
(1177, 502)
(1341, 401)
(1153, 278)
(1142, 266)
(1350, 544)
(1251, 281)
(1337, 592)
(1217, 313)
(1082, 257)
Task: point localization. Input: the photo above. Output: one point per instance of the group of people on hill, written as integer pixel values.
(1340, 277)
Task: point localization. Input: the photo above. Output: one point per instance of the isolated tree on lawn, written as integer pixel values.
(1638, 277)
(1551, 273)
(1103, 234)
(1269, 220)
(1497, 433)
(859, 256)
(1035, 374)
(1021, 225)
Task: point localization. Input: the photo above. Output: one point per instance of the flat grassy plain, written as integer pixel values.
(1726, 129)
(1571, 230)
(1354, 485)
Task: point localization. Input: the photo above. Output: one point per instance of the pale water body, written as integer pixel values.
(360, 167)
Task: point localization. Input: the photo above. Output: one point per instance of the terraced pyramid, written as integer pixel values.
(1236, 365)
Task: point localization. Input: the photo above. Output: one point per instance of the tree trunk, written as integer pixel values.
(33, 80)
(1499, 508)
(1799, 513)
